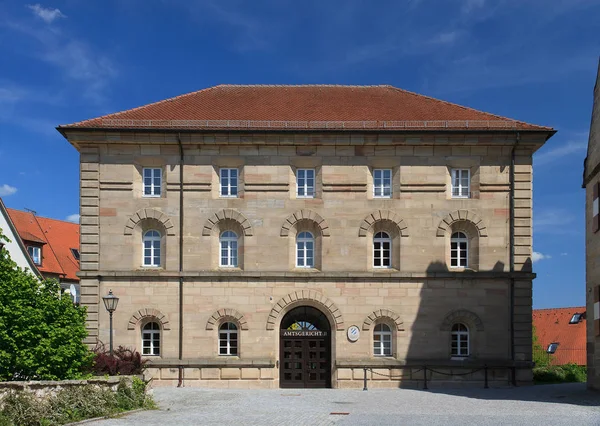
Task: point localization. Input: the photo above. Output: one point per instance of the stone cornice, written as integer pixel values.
(313, 275)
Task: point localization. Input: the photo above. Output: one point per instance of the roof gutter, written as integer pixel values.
(511, 228)
(181, 159)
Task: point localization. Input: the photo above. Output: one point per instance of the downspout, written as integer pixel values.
(511, 227)
(180, 381)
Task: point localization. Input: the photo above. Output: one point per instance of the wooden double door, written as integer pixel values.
(305, 360)
(305, 349)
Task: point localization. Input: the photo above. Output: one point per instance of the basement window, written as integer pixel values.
(75, 253)
(552, 347)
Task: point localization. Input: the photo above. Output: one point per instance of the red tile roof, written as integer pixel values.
(552, 326)
(57, 238)
(304, 107)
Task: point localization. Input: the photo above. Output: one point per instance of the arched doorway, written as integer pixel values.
(305, 349)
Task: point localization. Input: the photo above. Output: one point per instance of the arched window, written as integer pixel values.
(382, 340)
(459, 250)
(305, 250)
(460, 340)
(228, 339)
(151, 339)
(382, 250)
(151, 242)
(229, 249)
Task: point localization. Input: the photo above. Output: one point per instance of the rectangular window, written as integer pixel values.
(36, 254)
(461, 183)
(152, 182)
(305, 183)
(382, 183)
(229, 182)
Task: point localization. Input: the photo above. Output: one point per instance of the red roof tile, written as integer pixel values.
(58, 237)
(552, 326)
(304, 107)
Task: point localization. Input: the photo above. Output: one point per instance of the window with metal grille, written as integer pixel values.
(229, 249)
(461, 183)
(152, 182)
(151, 339)
(459, 250)
(229, 182)
(382, 250)
(305, 250)
(382, 183)
(228, 339)
(460, 340)
(305, 183)
(382, 340)
(151, 248)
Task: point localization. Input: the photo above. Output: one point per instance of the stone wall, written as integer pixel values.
(46, 388)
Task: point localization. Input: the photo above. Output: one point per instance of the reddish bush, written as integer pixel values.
(125, 361)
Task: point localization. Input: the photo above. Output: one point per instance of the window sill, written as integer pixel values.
(229, 269)
(303, 269)
(377, 269)
(461, 269)
(151, 196)
(228, 196)
(459, 358)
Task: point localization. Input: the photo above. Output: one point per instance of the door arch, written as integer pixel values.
(305, 349)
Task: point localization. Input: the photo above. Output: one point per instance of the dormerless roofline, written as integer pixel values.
(308, 125)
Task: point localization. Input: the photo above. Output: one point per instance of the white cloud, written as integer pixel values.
(564, 254)
(6, 190)
(49, 15)
(75, 58)
(537, 256)
(559, 152)
(73, 218)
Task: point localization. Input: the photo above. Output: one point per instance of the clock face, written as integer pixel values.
(353, 333)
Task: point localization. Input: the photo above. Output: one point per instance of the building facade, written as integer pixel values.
(52, 246)
(292, 236)
(591, 183)
(14, 245)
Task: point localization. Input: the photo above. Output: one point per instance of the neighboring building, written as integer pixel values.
(53, 246)
(15, 247)
(591, 183)
(561, 334)
(288, 236)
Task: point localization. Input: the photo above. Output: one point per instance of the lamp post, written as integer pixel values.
(110, 303)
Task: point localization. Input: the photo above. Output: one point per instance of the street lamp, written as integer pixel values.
(110, 303)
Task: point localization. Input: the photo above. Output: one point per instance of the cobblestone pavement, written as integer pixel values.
(569, 404)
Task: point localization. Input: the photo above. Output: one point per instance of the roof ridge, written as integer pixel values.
(43, 217)
(564, 308)
(466, 108)
(142, 106)
(305, 85)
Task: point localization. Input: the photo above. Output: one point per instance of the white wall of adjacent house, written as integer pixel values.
(17, 254)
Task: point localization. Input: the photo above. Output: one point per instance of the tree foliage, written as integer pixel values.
(41, 334)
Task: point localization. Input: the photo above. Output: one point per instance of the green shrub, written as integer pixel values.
(560, 374)
(73, 404)
(41, 334)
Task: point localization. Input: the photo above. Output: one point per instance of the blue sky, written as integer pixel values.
(533, 60)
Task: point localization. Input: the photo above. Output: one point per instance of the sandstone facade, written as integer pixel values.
(591, 183)
(420, 297)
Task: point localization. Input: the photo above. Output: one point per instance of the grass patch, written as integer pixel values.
(73, 404)
(567, 373)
